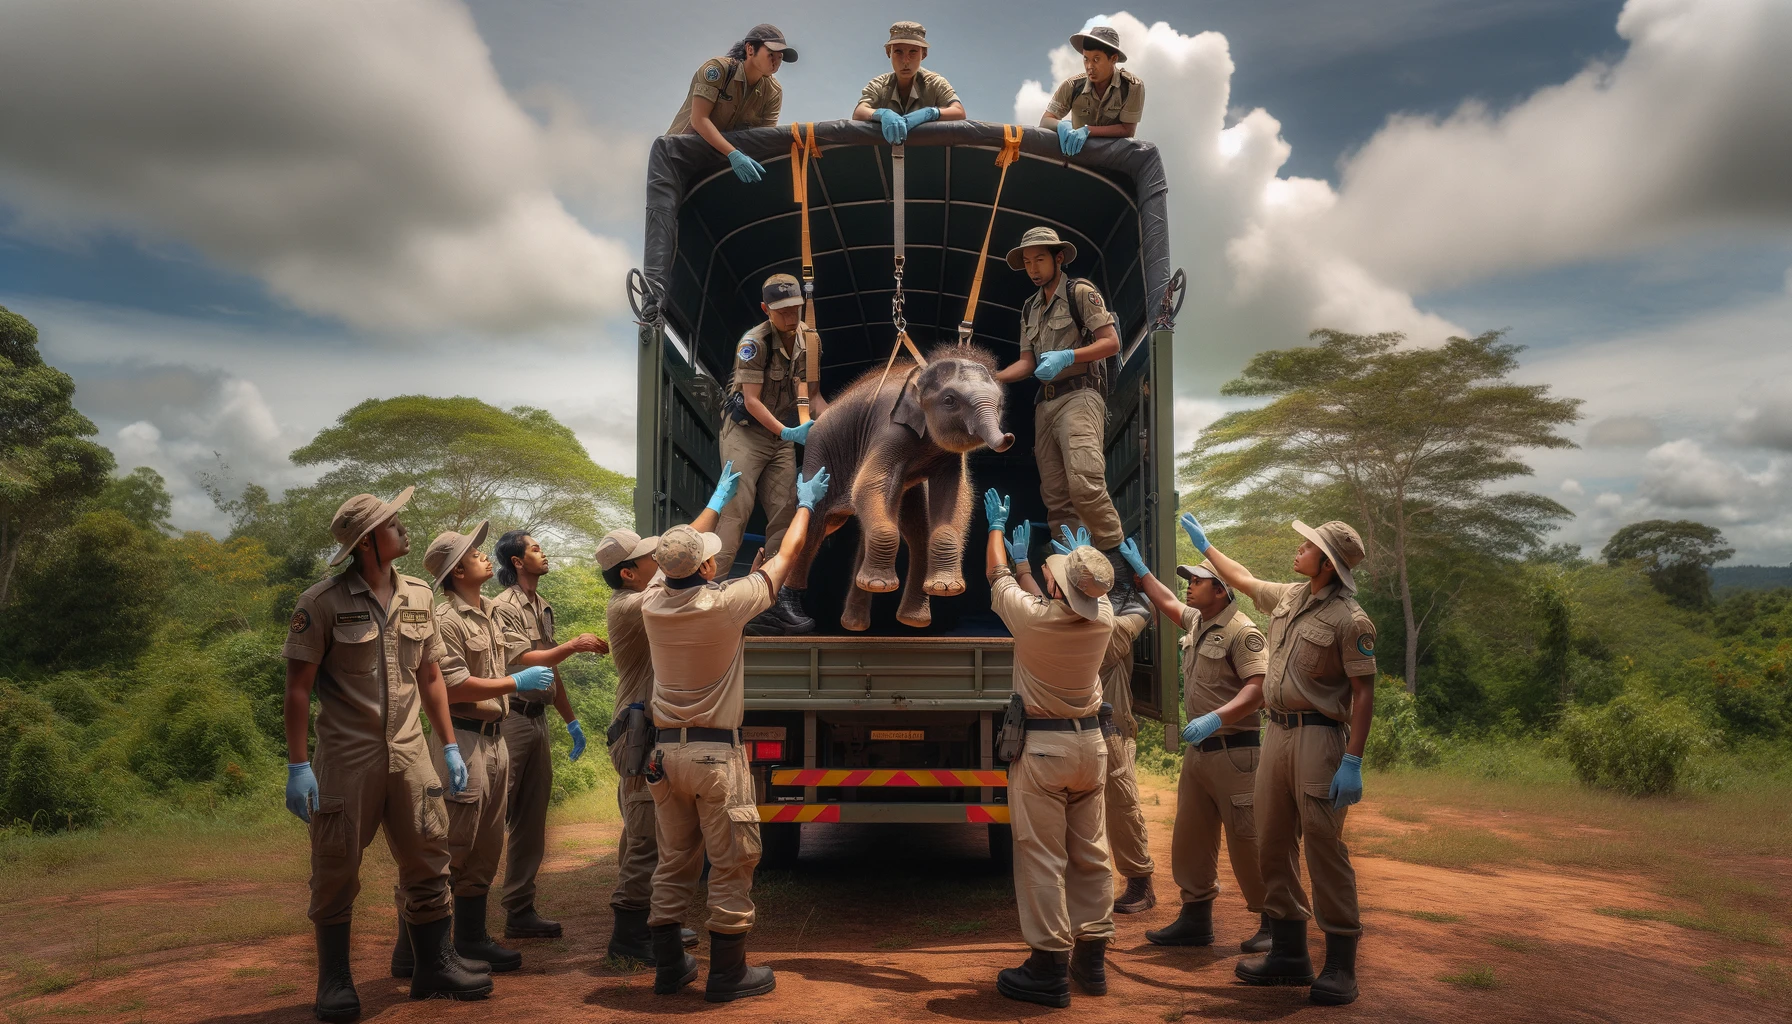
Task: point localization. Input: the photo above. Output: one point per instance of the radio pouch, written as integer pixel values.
(637, 738)
(1014, 730)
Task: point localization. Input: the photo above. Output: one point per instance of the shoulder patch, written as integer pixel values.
(1365, 645)
(348, 618)
(1253, 642)
(301, 620)
(749, 349)
(712, 72)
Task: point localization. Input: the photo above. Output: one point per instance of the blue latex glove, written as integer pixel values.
(1019, 541)
(1347, 785)
(726, 485)
(457, 768)
(745, 167)
(1192, 527)
(809, 492)
(1129, 550)
(798, 433)
(1070, 140)
(995, 509)
(1072, 541)
(577, 732)
(1050, 364)
(535, 677)
(301, 791)
(1201, 728)
(921, 117)
(894, 124)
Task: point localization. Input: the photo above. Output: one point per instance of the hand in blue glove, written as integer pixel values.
(1070, 140)
(1072, 541)
(1020, 539)
(726, 485)
(577, 732)
(1347, 784)
(745, 167)
(921, 117)
(810, 492)
(535, 677)
(1129, 550)
(895, 126)
(798, 433)
(1192, 527)
(457, 768)
(1201, 728)
(301, 791)
(995, 509)
(1051, 364)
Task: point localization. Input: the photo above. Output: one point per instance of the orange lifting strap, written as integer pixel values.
(803, 149)
(1006, 158)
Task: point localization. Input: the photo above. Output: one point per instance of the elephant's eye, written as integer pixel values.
(948, 401)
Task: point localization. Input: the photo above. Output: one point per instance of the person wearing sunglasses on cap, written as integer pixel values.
(735, 91)
(908, 95)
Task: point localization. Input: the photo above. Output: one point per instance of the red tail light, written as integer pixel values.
(764, 751)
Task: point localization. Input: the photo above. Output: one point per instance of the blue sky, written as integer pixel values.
(231, 223)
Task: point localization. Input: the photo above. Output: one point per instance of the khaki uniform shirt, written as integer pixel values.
(367, 658)
(927, 90)
(699, 676)
(629, 647)
(1317, 642)
(1108, 108)
(1116, 670)
(1218, 657)
(760, 358)
(1049, 327)
(473, 648)
(1057, 653)
(527, 623)
(723, 81)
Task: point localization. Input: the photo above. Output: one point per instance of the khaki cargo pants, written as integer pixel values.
(1063, 876)
(526, 807)
(767, 467)
(1127, 838)
(1067, 444)
(637, 849)
(1293, 803)
(475, 814)
(705, 804)
(1215, 791)
(352, 804)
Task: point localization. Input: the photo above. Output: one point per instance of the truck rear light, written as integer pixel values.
(768, 751)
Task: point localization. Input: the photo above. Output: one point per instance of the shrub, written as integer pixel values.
(1396, 737)
(1637, 744)
(44, 786)
(196, 733)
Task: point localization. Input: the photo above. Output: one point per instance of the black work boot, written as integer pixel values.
(440, 973)
(790, 609)
(673, 967)
(729, 976)
(527, 924)
(1089, 965)
(1258, 943)
(473, 943)
(336, 998)
(1138, 897)
(630, 939)
(1192, 927)
(1336, 985)
(1286, 963)
(404, 961)
(1044, 979)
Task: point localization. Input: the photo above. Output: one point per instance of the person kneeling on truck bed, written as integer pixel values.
(1063, 876)
(702, 790)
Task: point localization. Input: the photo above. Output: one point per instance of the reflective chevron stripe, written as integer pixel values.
(835, 777)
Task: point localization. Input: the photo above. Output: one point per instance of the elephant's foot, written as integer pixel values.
(916, 610)
(856, 616)
(945, 585)
(877, 581)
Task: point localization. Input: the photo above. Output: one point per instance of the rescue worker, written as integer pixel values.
(627, 561)
(768, 362)
(1319, 687)
(366, 640)
(1066, 335)
(1223, 661)
(1063, 875)
(1128, 840)
(529, 635)
(739, 90)
(473, 657)
(1105, 101)
(702, 790)
(909, 95)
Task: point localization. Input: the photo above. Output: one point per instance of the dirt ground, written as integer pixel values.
(904, 924)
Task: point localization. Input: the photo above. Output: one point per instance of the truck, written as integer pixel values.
(896, 724)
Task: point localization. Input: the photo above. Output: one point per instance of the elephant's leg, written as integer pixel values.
(856, 614)
(832, 520)
(915, 609)
(948, 517)
(874, 495)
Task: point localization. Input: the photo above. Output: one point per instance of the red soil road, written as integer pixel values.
(894, 924)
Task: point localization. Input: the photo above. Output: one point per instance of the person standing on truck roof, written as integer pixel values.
(1127, 837)
(739, 90)
(702, 788)
(1063, 874)
(768, 362)
(1106, 100)
(1319, 687)
(366, 639)
(529, 632)
(628, 565)
(1223, 662)
(909, 95)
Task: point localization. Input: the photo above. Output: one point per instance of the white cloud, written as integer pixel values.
(1682, 475)
(1623, 431)
(1573, 488)
(1765, 417)
(362, 159)
(1193, 415)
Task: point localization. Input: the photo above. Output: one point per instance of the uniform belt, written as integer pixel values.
(693, 735)
(1296, 719)
(532, 708)
(1064, 724)
(1060, 388)
(478, 725)
(1237, 739)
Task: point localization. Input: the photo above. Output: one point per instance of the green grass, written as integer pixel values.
(1718, 921)
(1515, 943)
(283, 990)
(1434, 916)
(1448, 846)
(1401, 812)
(1474, 977)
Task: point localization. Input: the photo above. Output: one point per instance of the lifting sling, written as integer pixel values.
(1011, 134)
(899, 195)
(803, 149)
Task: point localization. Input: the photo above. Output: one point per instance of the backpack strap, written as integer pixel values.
(1083, 83)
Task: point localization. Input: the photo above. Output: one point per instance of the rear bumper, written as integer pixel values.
(860, 812)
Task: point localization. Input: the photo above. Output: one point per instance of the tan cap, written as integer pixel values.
(907, 32)
(1100, 35)
(619, 546)
(781, 291)
(1084, 577)
(683, 551)
(1040, 236)
(446, 551)
(357, 517)
(1341, 544)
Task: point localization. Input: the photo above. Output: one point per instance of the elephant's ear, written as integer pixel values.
(908, 411)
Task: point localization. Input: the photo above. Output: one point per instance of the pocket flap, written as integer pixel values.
(465, 796)
(743, 813)
(1320, 634)
(355, 633)
(479, 640)
(1059, 321)
(329, 805)
(1243, 799)
(1321, 790)
(415, 630)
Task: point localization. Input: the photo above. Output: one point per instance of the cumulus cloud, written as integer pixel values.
(1682, 475)
(1623, 431)
(363, 160)
(1765, 417)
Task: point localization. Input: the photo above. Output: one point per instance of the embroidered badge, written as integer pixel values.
(301, 620)
(347, 618)
(748, 350)
(1253, 642)
(413, 615)
(1094, 298)
(712, 72)
(1365, 645)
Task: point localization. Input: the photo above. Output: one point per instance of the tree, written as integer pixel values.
(90, 594)
(1676, 555)
(1405, 441)
(142, 497)
(47, 465)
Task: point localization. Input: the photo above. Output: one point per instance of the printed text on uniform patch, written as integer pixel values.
(345, 618)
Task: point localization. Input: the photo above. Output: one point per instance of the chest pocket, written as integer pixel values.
(412, 636)
(1312, 642)
(355, 648)
(479, 653)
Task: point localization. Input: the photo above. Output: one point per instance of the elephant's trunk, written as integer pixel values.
(989, 428)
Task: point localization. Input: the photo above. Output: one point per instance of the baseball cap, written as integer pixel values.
(1084, 577)
(769, 34)
(446, 551)
(1202, 572)
(620, 546)
(781, 291)
(682, 551)
(356, 518)
(1341, 544)
(907, 32)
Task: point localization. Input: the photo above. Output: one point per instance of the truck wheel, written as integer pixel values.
(1001, 846)
(780, 844)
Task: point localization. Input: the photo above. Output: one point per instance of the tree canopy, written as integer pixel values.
(1676, 555)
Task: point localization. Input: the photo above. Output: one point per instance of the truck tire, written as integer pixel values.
(1001, 847)
(780, 844)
